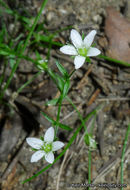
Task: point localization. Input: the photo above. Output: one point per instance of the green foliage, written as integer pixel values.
(66, 147)
(34, 36)
(12, 60)
(5, 50)
(90, 142)
(66, 88)
(52, 102)
(62, 70)
(54, 123)
(60, 82)
(34, 149)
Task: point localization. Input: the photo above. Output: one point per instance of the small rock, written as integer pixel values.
(97, 19)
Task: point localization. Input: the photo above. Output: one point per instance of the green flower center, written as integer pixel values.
(83, 51)
(46, 147)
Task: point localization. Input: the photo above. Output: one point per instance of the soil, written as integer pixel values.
(99, 83)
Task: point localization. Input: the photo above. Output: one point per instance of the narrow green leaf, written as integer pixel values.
(60, 82)
(12, 62)
(38, 55)
(52, 75)
(19, 46)
(34, 149)
(66, 88)
(48, 118)
(66, 127)
(2, 52)
(25, 19)
(8, 11)
(52, 102)
(62, 69)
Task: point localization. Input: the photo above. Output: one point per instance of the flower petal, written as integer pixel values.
(93, 52)
(76, 38)
(37, 155)
(49, 135)
(88, 40)
(49, 157)
(57, 145)
(34, 142)
(79, 61)
(69, 50)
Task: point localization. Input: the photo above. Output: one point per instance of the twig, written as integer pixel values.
(61, 168)
(93, 97)
(113, 99)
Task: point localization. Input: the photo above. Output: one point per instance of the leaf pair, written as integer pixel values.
(54, 123)
(64, 81)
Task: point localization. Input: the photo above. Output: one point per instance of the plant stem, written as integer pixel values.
(123, 152)
(70, 75)
(58, 115)
(114, 60)
(28, 82)
(79, 114)
(23, 48)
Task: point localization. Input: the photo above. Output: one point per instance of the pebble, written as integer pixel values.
(97, 19)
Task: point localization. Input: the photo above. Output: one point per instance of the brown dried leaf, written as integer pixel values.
(117, 30)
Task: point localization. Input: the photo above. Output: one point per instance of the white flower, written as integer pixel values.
(44, 148)
(81, 49)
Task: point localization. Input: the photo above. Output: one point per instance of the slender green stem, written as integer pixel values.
(89, 153)
(89, 168)
(123, 152)
(58, 115)
(67, 146)
(79, 114)
(23, 48)
(70, 75)
(52, 75)
(27, 58)
(28, 82)
(114, 60)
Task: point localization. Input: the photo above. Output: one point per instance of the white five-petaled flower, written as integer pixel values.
(81, 49)
(46, 147)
